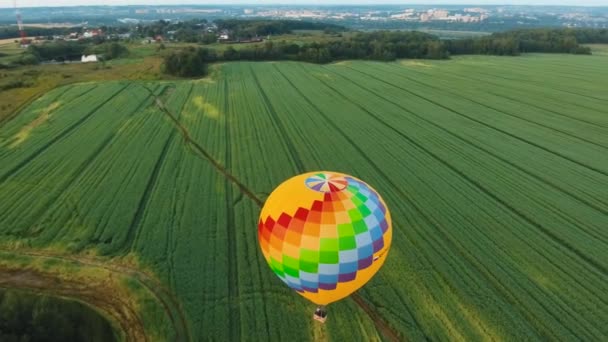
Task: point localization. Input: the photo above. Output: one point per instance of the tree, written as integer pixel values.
(187, 63)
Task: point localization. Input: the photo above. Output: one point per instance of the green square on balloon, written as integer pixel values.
(310, 267)
(291, 271)
(346, 229)
(364, 210)
(360, 227)
(347, 242)
(354, 214)
(357, 201)
(329, 257)
(329, 244)
(309, 256)
(361, 197)
(290, 262)
(276, 266)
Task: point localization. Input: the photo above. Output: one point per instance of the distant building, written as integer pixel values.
(89, 59)
(224, 36)
(92, 33)
(25, 43)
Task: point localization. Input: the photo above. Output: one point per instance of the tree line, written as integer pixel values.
(379, 45)
(389, 46)
(516, 42)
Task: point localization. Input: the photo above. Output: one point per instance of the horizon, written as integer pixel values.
(119, 3)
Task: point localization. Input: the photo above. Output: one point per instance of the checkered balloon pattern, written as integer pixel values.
(329, 241)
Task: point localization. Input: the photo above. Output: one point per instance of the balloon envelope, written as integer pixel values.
(325, 234)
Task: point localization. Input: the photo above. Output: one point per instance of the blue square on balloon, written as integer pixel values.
(379, 215)
(364, 238)
(372, 197)
(365, 251)
(348, 267)
(371, 205)
(376, 233)
(328, 279)
(310, 284)
(292, 281)
(309, 277)
(371, 221)
(328, 269)
(348, 256)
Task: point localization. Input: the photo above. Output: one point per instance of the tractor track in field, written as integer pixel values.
(198, 149)
(165, 297)
(279, 125)
(152, 180)
(233, 277)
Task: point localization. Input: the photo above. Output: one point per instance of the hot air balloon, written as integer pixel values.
(324, 234)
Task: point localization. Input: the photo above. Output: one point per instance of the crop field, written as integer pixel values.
(495, 170)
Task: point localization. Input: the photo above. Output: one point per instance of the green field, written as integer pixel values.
(495, 170)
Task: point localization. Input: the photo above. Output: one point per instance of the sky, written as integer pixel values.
(37, 3)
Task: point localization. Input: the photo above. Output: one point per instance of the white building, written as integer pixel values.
(89, 59)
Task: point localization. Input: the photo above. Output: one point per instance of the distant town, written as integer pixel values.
(480, 18)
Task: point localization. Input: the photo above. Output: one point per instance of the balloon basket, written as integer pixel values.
(320, 314)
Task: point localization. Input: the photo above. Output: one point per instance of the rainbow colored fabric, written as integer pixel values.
(316, 247)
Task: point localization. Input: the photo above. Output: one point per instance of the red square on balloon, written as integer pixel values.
(301, 214)
(284, 220)
(317, 206)
(269, 223)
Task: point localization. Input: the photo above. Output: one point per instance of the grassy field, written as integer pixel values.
(599, 49)
(494, 169)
